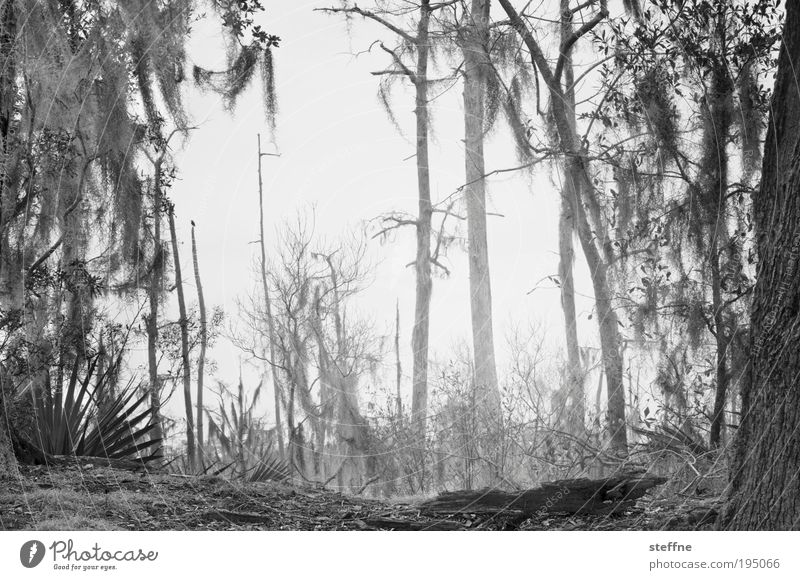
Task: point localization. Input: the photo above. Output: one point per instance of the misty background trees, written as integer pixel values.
(638, 128)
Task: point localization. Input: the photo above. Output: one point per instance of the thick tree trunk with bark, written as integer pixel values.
(201, 359)
(183, 322)
(475, 71)
(11, 286)
(8, 462)
(764, 492)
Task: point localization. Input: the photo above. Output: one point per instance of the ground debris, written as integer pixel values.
(605, 496)
(107, 498)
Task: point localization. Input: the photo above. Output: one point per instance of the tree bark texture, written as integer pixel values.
(764, 490)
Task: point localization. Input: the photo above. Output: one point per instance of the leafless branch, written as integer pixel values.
(372, 16)
(399, 62)
(566, 45)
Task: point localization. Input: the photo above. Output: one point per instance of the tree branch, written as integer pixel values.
(536, 52)
(566, 46)
(372, 16)
(398, 61)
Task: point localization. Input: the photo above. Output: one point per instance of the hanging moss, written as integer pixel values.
(654, 93)
(268, 88)
(239, 74)
(519, 129)
(492, 102)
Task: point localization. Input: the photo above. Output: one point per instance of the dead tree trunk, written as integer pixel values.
(572, 496)
(424, 284)
(276, 386)
(201, 360)
(764, 491)
(151, 322)
(183, 323)
(398, 366)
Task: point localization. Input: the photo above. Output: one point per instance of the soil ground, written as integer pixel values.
(85, 497)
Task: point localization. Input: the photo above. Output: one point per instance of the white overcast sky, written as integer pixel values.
(340, 153)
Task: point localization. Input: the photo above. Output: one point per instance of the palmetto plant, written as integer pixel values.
(238, 441)
(86, 418)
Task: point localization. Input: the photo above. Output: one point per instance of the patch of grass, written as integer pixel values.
(74, 510)
(74, 523)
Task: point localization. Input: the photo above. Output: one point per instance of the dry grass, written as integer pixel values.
(54, 509)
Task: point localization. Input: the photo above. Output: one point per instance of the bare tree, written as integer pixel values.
(276, 385)
(154, 297)
(320, 350)
(420, 44)
(201, 360)
(183, 323)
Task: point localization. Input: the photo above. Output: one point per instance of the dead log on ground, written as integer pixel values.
(571, 496)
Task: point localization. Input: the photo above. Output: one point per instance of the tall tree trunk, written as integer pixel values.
(293, 443)
(151, 322)
(424, 284)
(276, 386)
(574, 406)
(721, 346)
(475, 70)
(11, 286)
(592, 236)
(183, 323)
(607, 321)
(201, 360)
(328, 390)
(8, 462)
(764, 491)
(398, 366)
(718, 128)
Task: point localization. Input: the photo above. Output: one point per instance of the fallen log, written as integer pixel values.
(571, 496)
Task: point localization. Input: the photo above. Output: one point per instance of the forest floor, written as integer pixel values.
(85, 497)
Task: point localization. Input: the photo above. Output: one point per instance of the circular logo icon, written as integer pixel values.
(31, 553)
